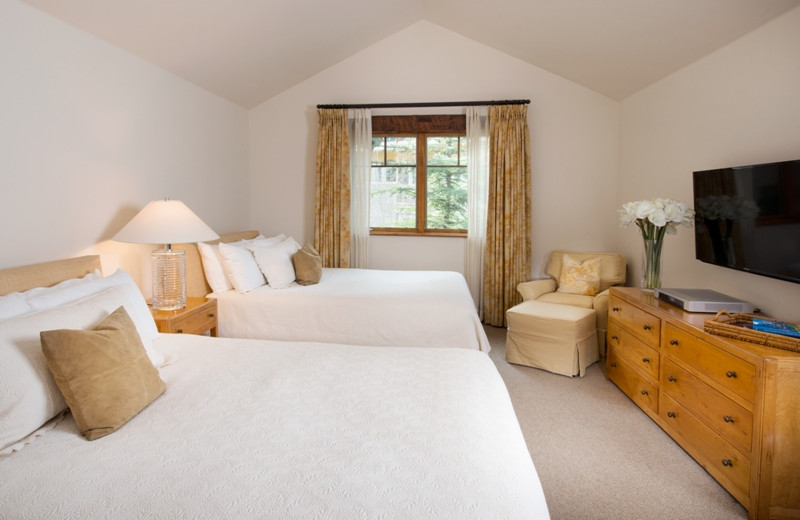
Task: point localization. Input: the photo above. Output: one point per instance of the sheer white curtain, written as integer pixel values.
(360, 126)
(478, 197)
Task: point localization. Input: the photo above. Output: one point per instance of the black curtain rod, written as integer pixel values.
(434, 104)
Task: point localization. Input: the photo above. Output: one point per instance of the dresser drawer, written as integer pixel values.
(729, 371)
(725, 463)
(641, 390)
(642, 324)
(733, 422)
(634, 351)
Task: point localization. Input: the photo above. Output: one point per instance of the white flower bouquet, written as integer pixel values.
(649, 215)
(655, 217)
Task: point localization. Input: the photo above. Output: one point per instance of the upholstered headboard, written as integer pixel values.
(196, 284)
(46, 274)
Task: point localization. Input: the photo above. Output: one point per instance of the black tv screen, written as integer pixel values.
(748, 218)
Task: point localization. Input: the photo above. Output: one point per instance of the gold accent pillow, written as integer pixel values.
(580, 277)
(307, 265)
(104, 374)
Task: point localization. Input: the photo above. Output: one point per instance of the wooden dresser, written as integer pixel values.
(734, 406)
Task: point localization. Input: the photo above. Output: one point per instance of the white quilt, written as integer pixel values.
(259, 429)
(359, 307)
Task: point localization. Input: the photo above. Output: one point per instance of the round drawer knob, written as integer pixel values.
(671, 414)
(612, 365)
(615, 309)
(645, 392)
(727, 463)
(614, 336)
(730, 373)
(672, 379)
(645, 360)
(673, 342)
(211, 315)
(646, 327)
(729, 419)
(179, 331)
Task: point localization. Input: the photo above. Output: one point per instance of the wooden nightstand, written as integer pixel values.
(199, 317)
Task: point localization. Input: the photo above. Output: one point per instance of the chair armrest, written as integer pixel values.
(600, 305)
(601, 309)
(535, 288)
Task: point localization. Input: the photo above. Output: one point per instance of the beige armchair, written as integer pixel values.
(611, 272)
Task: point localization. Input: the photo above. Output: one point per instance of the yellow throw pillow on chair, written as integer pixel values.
(579, 277)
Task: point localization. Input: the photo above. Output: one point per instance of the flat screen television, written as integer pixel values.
(748, 218)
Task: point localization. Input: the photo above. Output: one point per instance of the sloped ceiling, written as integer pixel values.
(250, 50)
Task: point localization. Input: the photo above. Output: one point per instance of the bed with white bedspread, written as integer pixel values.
(359, 307)
(266, 429)
(351, 306)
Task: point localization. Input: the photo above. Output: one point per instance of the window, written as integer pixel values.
(419, 175)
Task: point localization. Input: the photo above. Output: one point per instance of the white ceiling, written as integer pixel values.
(250, 50)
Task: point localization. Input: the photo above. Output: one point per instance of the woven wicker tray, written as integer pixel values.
(736, 326)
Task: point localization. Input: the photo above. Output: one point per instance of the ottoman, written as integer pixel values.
(558, 338)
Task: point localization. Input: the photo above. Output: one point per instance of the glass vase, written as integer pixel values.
(651, 264)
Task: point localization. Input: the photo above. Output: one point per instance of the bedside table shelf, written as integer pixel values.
(199, 317)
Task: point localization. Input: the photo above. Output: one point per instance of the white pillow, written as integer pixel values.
(291, 245)
(43, 298)
(63, 286)
(241, 267)
(212, 267)
(136, 305)
(29, 396)
(263, 241)
(14, 304)
(276, 262)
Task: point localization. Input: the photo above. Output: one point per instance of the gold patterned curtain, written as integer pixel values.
(508, 246)
(332, 204)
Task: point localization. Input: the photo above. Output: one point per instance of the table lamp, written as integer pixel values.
(167, 222)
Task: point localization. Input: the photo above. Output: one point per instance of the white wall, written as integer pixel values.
(740, 105)
(90, 134)
(574, 142)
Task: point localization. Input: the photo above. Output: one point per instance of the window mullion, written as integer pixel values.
(422, 184)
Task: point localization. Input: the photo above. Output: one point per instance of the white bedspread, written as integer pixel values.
(257, 429)
(359, 307)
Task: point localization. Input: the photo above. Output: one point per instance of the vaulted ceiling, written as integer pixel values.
(250, 50)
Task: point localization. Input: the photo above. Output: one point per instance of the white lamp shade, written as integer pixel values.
(165, 222)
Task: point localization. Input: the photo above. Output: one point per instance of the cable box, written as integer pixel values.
(702, 300)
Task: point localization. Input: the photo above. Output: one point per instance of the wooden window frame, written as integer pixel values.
(420, 127)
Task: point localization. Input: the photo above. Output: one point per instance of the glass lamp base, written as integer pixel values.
(169, 279)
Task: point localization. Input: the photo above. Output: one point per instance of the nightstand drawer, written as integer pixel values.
(194, 322)
(198, 317)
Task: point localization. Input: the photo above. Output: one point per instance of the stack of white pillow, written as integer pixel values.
(248, 264)
(29, 396)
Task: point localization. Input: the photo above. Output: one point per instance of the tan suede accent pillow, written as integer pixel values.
(307, 265)
(104, 373)
(580, 277)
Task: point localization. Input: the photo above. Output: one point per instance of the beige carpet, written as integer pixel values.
(600, 457)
